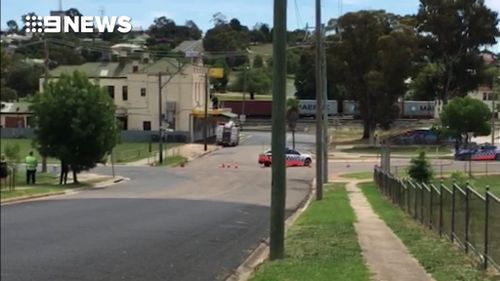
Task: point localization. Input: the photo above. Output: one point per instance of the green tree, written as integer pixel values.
(454, 31)
(258, 81)
(12, 26)
(232, 39)
(375, 57)
(420, 168)
(74, 122)
(23, 79)
(258, 62)
(464, 116)
(220, 84)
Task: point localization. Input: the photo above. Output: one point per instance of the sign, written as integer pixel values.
(77, 24)
(216, 72)
(243, 118)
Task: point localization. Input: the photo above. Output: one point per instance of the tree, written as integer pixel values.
(23, 78)
(12, 27)
(231, 38)
(74, 122)
(375, 56)
(464, 116)
(258, 81)
(454, 31)
(220, 84)
(258, 62)
(194, 31)
(420, 169)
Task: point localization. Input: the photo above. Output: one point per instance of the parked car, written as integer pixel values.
(481, 153)
(292, 158)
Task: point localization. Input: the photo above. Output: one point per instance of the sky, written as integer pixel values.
(300, 12)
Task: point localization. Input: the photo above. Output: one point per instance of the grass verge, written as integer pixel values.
(322, 245)
(46, 184)
(435, 254)
(358, 175)
(407, 150)
(479, 183)
(173, 161)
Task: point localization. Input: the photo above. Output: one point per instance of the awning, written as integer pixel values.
(229, 114)
(200, 112)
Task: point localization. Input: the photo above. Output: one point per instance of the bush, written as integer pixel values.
(420, 168)
(459, 178)
(12, 151)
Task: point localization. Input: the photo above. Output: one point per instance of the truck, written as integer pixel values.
(227, 134)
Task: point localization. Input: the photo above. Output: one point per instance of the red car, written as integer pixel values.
(292, 158)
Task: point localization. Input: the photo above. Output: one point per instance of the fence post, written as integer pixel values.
(421, 204)
(467, 217)
(453, 196)
(441, 208)
(430, 206)
(416, 200)
(486, 225)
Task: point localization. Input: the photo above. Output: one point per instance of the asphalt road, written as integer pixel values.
(193, 223)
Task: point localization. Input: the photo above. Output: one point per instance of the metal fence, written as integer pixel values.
(460, 213)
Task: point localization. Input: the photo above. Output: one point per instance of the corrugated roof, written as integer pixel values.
(15, 107)
(115, 69)
(190, 46)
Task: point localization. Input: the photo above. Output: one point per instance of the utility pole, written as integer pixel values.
(205, 127)
(160, 119)
(319, 106)
(325, 106)
(45, 82)
(278, 181)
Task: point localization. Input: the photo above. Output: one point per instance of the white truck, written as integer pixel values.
(227, 134)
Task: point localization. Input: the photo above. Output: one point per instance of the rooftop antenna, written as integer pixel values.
(60, 5)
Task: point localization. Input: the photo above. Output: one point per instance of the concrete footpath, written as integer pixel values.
(385, 254)
(190, 151)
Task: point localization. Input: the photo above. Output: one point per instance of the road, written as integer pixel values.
(193, 223)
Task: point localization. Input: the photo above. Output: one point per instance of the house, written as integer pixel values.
(484, 92)
(15, 115)
(134, 86)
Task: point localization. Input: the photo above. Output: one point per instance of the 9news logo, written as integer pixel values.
(84, 24)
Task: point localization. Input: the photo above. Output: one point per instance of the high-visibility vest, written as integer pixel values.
(31, 163)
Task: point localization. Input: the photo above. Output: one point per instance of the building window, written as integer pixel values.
(143, 92)
(125, 92)
(146, 125)
(111, 91)
(485, 96)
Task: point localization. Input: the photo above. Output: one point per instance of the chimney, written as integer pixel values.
(145, 58)
(122, 57)
(135, 67)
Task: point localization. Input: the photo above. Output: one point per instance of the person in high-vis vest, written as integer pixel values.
(31, 164)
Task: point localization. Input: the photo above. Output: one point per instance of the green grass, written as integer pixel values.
(25, 146)
(322, 245)
(407, 150)
(358, 175)
(479, 183)
(173, 160)
(438, 256)
(46, 183)
(123, 152)
(133, 151)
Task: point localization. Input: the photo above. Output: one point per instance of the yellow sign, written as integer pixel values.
(216, 72)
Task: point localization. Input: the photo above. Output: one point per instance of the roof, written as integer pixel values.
(190, 46)
(116, 69)
(15, 107)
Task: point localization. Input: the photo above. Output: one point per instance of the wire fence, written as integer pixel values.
(460, 213)
(445, 167)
